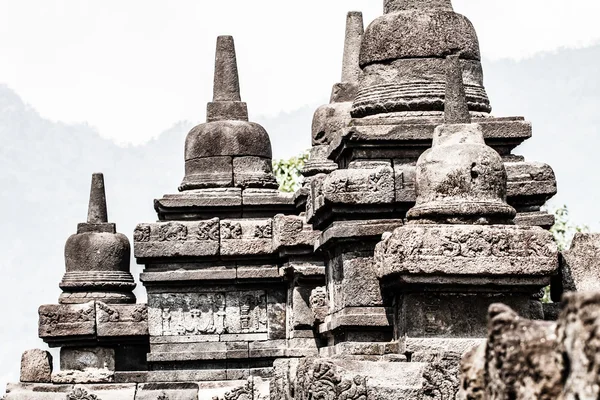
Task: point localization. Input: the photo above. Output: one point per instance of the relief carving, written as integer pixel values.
(141, 233)
(253, 312)
(263, 231)
(172, 232)
(209, 230)
(319, 303)
(231, 230)
(470, 244)
(81, 394)
(107, 314)
(207, 316)
(442, 378)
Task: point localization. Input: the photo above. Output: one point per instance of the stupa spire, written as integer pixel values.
(456, 109)
(354, 32)
(390, 6)
(97, 213)
(227, 82)
(227, 104)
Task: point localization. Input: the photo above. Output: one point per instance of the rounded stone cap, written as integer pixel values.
(227, 138)
(461, 179)
(93, 251)
(419, 34)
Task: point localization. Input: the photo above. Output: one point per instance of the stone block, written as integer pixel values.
(483, 252)
(360, 186)
(188, 375)
(199, 203)
(578, 340)
(246, 237)
(404, 175)
(201, 273)
(177, 239)
(218, 390)
(529, 183)
(319, 304)
(171, 391)
(302, 314)
(208, 172)
(36, 366)
(253, 172)
(37, 391)
(117, 320)
(67, 320)
(292, 231)
(268, 349)
(579, 267)
(103, 391)
(472, 374)
(455, 315)
(521, 356)
(89, 375)
(258, 272)
(81, 359)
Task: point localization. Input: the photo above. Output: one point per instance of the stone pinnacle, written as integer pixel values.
(390, 6)
(456, 109)
(354, 32)
(227, 83)
(97, 213)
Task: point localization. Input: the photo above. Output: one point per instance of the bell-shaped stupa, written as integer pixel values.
(460, 179)
(97, 257)
(403, 57)
(227, 150)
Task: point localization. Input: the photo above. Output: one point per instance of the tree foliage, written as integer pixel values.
(564, 230)
(287, 172)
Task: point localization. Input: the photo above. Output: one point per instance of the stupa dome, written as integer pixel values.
(403, 54)
(213, 149)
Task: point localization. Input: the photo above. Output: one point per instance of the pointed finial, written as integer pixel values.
(456, 109)
(354, 32)
(390, 6)
(227, 83)
(97, 213)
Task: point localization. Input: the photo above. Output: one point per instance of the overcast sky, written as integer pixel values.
(133, 68)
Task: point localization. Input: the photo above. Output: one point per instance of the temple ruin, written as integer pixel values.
(411, 264)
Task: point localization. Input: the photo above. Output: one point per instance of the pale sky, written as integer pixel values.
(132, 68)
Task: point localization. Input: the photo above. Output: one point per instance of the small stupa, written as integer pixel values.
(97, 257)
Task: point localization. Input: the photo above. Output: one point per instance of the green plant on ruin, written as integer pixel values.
(287, 172)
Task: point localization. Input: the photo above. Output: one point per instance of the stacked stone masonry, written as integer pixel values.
(416, 240)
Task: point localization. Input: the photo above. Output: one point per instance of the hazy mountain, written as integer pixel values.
(45, 170)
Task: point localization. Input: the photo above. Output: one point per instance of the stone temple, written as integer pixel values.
(411, 264)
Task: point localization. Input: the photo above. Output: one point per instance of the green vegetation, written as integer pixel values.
(287, 172)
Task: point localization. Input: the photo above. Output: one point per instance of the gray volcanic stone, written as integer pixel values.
(97, 258)
(80, 359)
(229, 134)
(472, 374)
(579, 339)
(521, 358)
(402, 59)
(37, 391)
(476, 251)
(36, 366)
(579, 269)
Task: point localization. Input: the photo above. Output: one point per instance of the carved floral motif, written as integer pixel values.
(230, 230)
(172, 232)
(81, 394)
(209, 230)
(142, 233)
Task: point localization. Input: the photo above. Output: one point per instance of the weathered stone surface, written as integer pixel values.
(121, 320)
(37, 391)
(247, 237)
(208, 172)
(579, 345)
(177, 239)
(522, 361)
(319, 303)
(455, 315)
(67, 320)
(360, 186)
(81, 359)
(292, 230)
(97, 258)
(472, 374)
(483, 252)
(89, 375)
(579, 266)
(254, 172)
(36, 366)
(167, 391)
